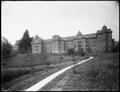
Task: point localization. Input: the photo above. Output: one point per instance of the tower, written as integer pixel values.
(104, 39)
(80, 41)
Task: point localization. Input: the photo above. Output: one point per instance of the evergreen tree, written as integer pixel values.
(25, 43)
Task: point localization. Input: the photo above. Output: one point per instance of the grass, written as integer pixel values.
(8, 75)
(38, 59)
(25, 61)
(99, 74)
(21, 65)
(26, 81)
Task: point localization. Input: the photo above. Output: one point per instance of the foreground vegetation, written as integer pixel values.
(99, 74)
(23, 64)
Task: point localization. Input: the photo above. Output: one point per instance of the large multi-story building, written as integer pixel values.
(97, 42)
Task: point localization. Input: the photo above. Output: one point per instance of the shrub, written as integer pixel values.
(8, 75)
(70, 51)
(83, 53)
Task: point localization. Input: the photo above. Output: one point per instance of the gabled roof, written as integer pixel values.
(79, 34)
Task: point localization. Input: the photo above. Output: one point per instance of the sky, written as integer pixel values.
(63, 18)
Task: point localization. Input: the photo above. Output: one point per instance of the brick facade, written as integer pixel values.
(97, 42)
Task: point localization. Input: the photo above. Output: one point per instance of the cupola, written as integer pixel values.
(104, 27)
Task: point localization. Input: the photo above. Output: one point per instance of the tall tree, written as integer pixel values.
(6, 49)
(25, 43)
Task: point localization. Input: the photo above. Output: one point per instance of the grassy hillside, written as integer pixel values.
(21, 65)
(99, 74)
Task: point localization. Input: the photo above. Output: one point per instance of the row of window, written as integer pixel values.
(36, 46)
(36, 49)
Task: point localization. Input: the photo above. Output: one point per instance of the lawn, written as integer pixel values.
(98, 74)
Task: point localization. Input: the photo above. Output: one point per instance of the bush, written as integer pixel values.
(70, 51)
(83, 53)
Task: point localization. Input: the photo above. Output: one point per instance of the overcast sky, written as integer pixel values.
(64, 18)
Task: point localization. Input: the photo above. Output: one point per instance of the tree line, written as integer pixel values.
(24, 46)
